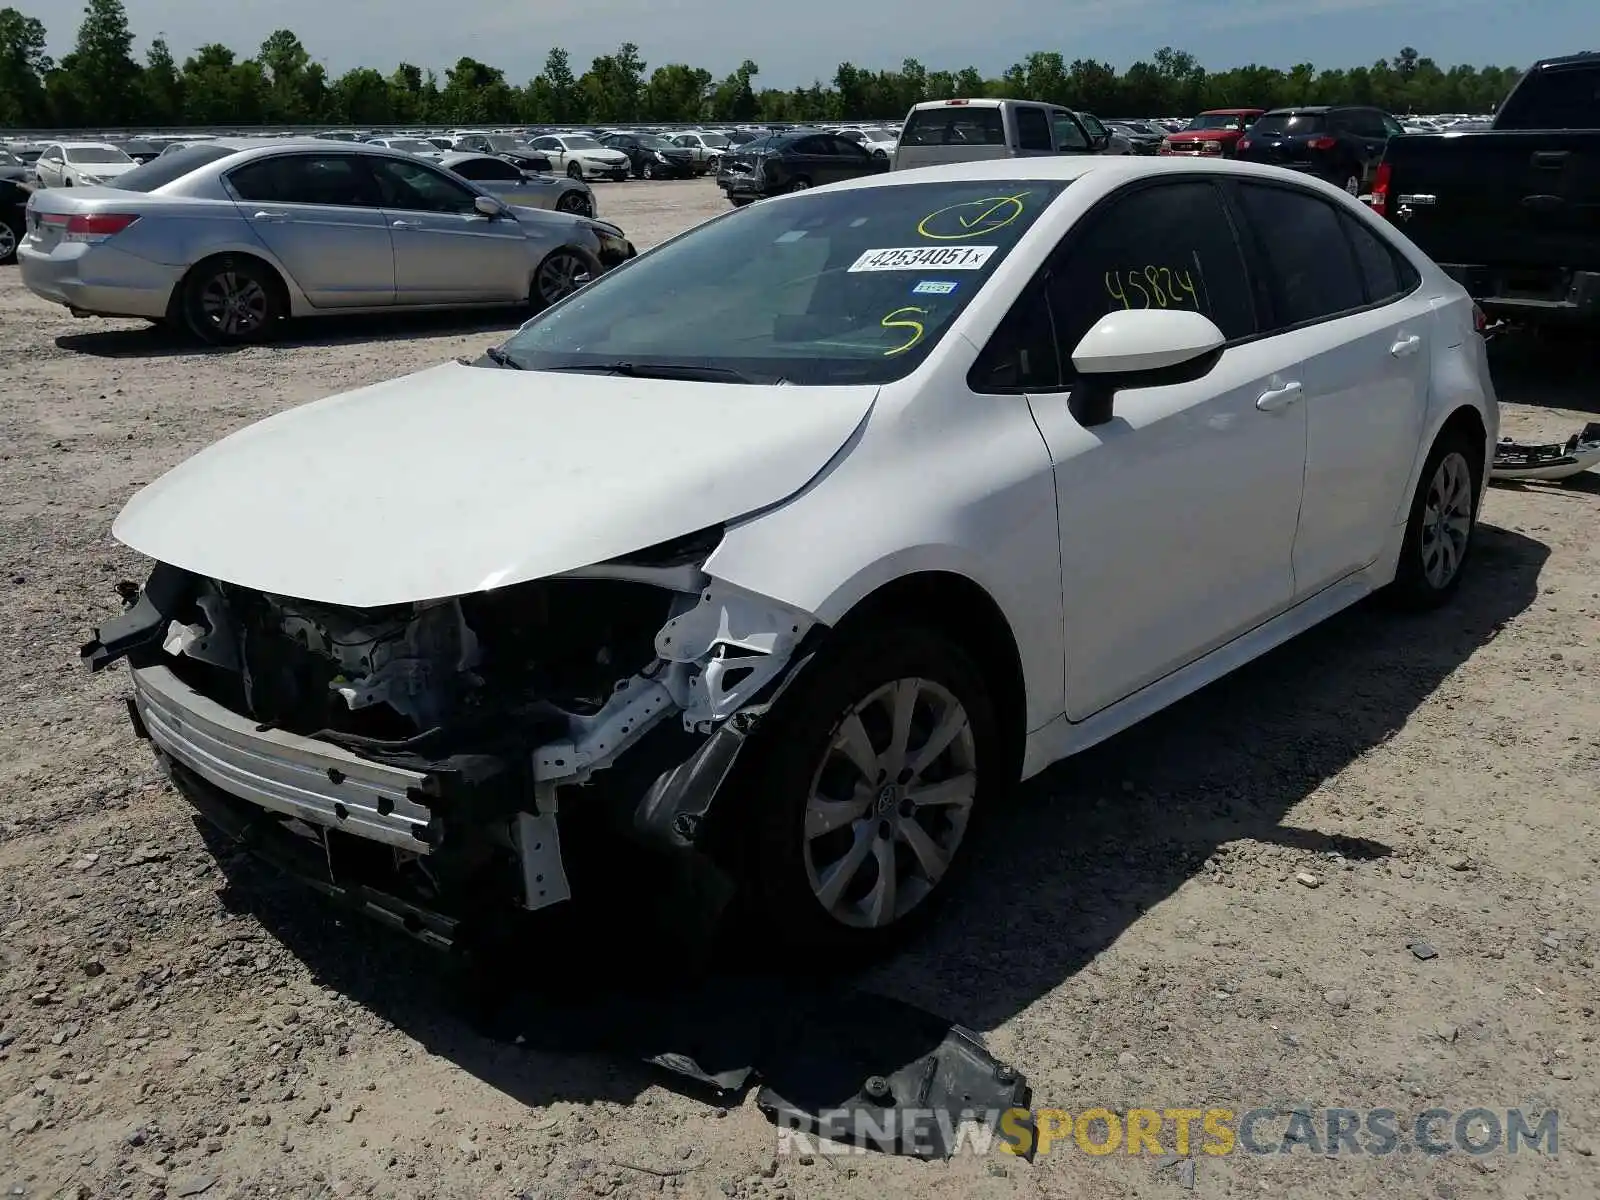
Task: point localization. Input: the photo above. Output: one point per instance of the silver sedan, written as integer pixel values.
(228, 237)
(531, 189)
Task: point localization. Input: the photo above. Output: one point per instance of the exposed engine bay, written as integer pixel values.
(631, 683)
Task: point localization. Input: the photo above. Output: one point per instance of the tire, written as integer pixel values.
(739, 201)
(231, 300)
(577, 203)
(1352, 185)
(574, 171)
(648, 171)
(798, 185)
(8, 244)
(791, 876)
(557, 277)
(1439, 531)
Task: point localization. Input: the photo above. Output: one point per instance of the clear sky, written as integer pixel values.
(796, 43)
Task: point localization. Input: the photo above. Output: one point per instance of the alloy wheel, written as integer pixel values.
(576, 203)
(1353, 185)
(560, 274)
(8, 242)
(890, 803)
(234, 304)
(1446, 520)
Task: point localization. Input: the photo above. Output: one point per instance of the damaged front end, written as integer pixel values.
(414, 759)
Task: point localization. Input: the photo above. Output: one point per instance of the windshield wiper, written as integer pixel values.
(661, 371)
(501, 358)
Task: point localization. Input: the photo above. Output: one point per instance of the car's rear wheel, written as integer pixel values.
(798, 185)
(648, 171)
(8, 243)
(231, 300)
(559, 275)
(1439, 531)
(577, 203)
(863, 787)
(574, 171)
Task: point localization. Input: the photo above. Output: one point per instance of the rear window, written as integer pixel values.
(824, 287)
(1289, 124)
(956, 125)
(1554, 98)
(171, 167)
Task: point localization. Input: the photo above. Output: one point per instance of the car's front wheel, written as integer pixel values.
(576, 203)
(865, 782)
(1439, 531)
(559, 275)
(574, 171)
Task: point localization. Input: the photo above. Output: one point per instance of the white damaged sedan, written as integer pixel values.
(793, 543)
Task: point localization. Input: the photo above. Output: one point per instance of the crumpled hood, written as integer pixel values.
(456, 479)
(604, 156)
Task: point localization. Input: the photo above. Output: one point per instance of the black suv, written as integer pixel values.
(652, 157)
(792, 161)
(1341, 143)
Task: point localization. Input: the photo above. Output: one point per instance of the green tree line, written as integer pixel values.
(101, 84)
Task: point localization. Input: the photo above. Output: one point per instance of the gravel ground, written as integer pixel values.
(1142, 928)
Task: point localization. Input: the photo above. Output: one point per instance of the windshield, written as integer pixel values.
(845, 287)
(651, 142)
(502, 142)
(170, 166)
(1288, 124)
(582, 143)
(713, 139)
(413, 145)
(1217, 121)
(96, 154)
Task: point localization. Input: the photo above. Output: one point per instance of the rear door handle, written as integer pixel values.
(405, 224)
(1278, 398)
(1406, 345)
(266, 215)
(1550, 158)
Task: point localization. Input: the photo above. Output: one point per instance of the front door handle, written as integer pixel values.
(1405, 346)
(1550, 158)
(265, 215)
(1278, 398)
(405, 224)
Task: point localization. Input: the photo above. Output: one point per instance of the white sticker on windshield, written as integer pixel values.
(924, 258)
(794, 235)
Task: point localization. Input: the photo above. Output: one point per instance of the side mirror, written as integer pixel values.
(489, 207)
(1142, 347)
(1100, 140)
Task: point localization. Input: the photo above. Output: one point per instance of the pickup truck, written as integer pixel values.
(1511, 212)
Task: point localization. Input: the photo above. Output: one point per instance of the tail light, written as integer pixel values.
(1165, 147)
(1322, 143)
(88, 227)
(1480, 321)
(958, 102)
(1243, 144)
(1380, 190)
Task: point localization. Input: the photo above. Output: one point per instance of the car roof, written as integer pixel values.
(1300, 108)
(1063, 167)
(83, 145)
(1223, 112)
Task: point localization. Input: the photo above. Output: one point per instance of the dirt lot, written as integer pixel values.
(1138, 931)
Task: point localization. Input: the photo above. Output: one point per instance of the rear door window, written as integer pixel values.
(340, 180)
(1289, 124)
(1033, 128)
(1310, 270)
(955, 125)
(1378, 263)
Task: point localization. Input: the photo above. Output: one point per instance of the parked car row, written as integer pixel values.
(226, 237)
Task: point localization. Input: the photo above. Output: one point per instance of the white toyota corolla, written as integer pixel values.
(792, 544)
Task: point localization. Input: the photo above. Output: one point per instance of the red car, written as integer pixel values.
(1215, 131)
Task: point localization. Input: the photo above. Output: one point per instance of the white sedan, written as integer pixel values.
(581, 157)
(798, 540)
(81, 164)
